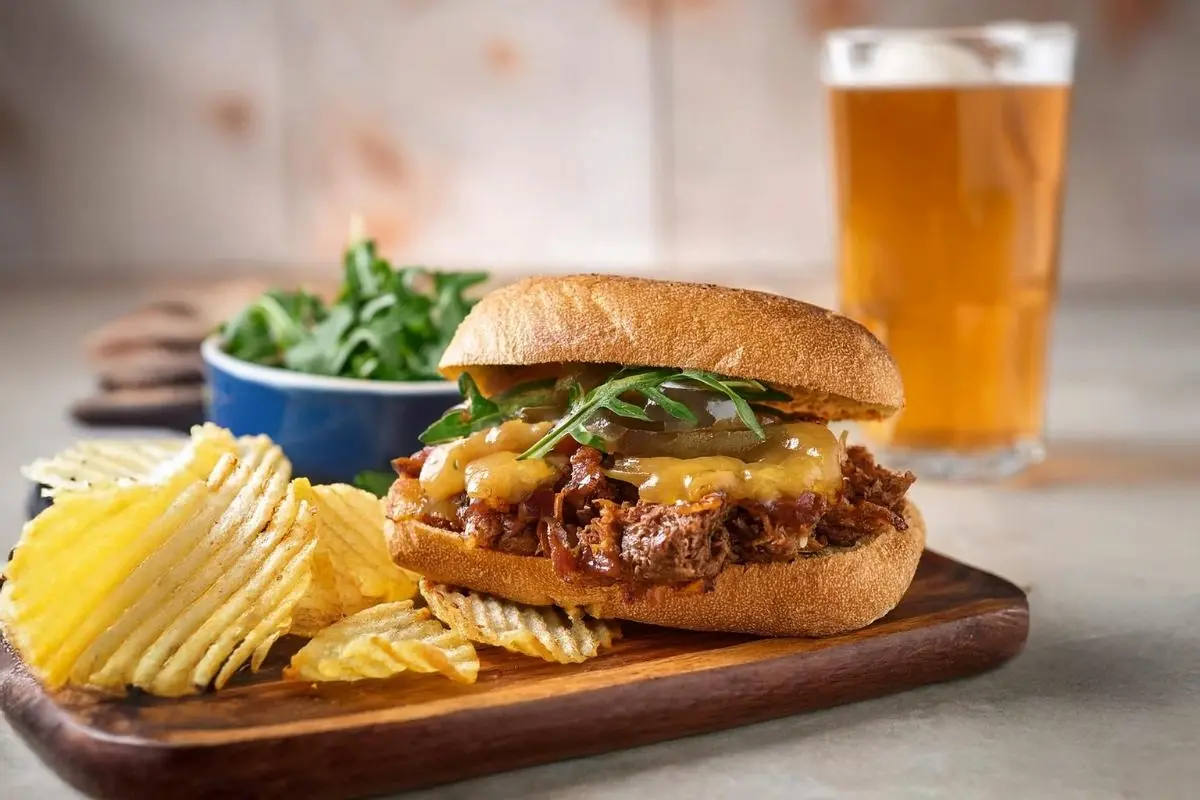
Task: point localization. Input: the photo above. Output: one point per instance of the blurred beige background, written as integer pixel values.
(663, 136)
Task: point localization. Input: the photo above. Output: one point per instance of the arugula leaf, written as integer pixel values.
(450, 308)
(313, 354)
(373, 307)
(247, 337)
(386, 324)
(263, 331)
(374, 481)
(477, 404)
(619, 406)
(673, 407)
(476, 412)
(647, 381)
(756, 390)
(587, 405)
(744, 412)
(367, 275)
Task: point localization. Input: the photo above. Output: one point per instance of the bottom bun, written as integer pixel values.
(831, 592)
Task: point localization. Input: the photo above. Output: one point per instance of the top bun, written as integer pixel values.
(831, 365)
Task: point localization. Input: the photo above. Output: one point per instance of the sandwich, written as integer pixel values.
(660, 452)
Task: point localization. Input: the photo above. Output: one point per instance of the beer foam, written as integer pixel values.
(922, 63)
(1027, 54)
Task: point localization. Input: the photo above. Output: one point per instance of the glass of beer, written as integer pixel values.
(949, 148)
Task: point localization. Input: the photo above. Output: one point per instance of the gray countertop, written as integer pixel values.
(1105, 700)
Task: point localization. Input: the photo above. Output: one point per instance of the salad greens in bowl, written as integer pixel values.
(387, 323)
(343, 386)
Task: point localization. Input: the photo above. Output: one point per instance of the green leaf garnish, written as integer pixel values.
(744, 412)
(673, 407)
(264, 330)
(386, 324)
(477, 413)
(756, 390)
(648, 382)
(619, 406)
(477, 404)
(376, 482)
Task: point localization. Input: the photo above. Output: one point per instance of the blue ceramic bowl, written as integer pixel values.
(330, 428)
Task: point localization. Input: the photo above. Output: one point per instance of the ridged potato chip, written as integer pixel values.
(101, 464)
(383, 641)
(168, 587)
(545, 632)
(108, 463)
(352, 568)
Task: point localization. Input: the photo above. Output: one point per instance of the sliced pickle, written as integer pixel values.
(796, 458)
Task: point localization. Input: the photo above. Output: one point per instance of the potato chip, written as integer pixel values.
(382, 641)
(352, 568)
(101, 464)
(545, 632)
(319, 607)
(109, 463)
(169, 587)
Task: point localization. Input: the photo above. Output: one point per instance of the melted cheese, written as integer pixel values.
(450, 468)
(806, 458)
(406, 500)
(797, 458)
(500, 476)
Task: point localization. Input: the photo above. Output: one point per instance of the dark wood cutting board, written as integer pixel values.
(263, 737)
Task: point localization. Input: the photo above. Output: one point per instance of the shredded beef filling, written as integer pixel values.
(577, 502)
(510, 529)
(779, 531)
(870, 501)
(595, 530)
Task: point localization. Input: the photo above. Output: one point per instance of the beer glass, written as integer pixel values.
(949, 149)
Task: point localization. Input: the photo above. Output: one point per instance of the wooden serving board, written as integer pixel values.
(263, 737)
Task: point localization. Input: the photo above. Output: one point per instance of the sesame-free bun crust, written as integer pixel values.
(831, 365)
(835, 591)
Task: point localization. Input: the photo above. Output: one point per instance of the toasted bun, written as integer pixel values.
(821, 595)
(830, 365)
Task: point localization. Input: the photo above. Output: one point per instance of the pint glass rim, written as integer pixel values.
(1047, 51)
(1013, 32)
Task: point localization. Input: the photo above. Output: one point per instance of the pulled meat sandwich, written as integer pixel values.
(660, 452)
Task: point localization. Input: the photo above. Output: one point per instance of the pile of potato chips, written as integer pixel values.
(169, 565)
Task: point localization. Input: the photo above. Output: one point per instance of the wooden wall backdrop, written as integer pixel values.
(665, 136)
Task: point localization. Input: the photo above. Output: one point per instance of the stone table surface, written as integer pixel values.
(1105, 537)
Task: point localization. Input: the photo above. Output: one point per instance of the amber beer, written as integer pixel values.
(949, 200)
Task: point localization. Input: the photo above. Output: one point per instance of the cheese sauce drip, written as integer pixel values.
(500, 476)
(796, 458)
(485, 465)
